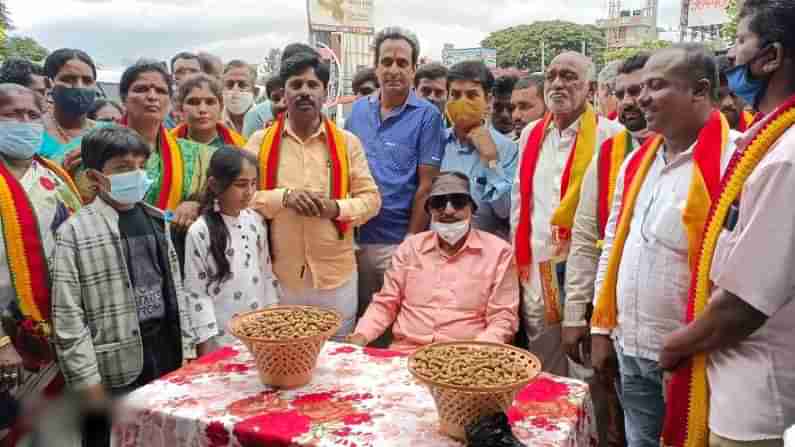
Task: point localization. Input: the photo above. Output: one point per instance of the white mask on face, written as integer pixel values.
(237, 103)
(451, 232)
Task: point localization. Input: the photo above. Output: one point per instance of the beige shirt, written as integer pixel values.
(302, 244)
(546, 198)
(755, 261)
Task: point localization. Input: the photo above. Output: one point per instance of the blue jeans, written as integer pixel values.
(641, 393)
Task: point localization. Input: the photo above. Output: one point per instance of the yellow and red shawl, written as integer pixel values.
(571, 182)
(704, 189)
(338, 162)
(171, 179)
(687, 407)
(611, 157)
(229, 136)
(24, 249)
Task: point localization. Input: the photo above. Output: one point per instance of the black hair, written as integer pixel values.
(772, 21)
(226, 165)
(99, 104)
(135, 70)
(9, 89)
(183, 55)
(104, 143)
(362, 77)
(296, 48)
(472, 71)
(430, 71)
(197, 81)
(16, 70)
(503, 86)
(396, 33)
(634, 63)
(297, 64)
(698, 63)
(211, 64)
(526, 82)
(58, 58)
(274, 83)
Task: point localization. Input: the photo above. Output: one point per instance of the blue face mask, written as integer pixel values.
(129, 188)
(18, 140)
(743, 84)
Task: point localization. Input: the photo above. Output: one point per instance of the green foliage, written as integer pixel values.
(24, 47)
(623, 53)
(520, 46)
(729, 29)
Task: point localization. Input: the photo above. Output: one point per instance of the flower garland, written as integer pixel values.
(688, 403)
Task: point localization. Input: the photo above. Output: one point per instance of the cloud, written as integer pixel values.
(116, 32)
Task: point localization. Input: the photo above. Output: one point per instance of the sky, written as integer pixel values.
(118, 32)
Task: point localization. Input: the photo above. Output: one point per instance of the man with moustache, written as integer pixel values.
(606, 100)
(556, 152)
(663, 196)
(501, 109)
(731, 105)
(586, 239)
(403, 138)
(527, 102)
(430, 82)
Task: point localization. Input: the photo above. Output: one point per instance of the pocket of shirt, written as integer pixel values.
(669, 230)
(401, 157)
(471, 292)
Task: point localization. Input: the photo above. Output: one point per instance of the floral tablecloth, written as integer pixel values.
(357, 398)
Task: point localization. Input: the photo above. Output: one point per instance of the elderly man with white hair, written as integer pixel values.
(556, 150)
(605, 99)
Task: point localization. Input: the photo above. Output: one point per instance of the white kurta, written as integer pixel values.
(252, 285)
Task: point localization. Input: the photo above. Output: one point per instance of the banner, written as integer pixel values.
(707, 13)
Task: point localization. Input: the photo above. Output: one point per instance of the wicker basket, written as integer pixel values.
(284, 363)
(460, 406)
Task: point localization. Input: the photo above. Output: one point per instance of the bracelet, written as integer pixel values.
(5, 341)
(284, 197)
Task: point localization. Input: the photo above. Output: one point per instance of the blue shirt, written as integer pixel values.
(256, 118)
(410, 136)
(490, 187)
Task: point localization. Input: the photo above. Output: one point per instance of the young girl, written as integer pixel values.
(227, 260)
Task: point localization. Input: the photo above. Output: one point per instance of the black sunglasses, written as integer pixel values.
(459, 201)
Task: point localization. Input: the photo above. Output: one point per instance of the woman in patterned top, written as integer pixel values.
(228, 265)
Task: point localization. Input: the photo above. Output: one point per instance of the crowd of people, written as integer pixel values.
(629, 226)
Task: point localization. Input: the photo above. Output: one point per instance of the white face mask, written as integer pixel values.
(237, 102)
(451, 232)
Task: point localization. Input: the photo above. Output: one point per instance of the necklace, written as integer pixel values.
(63, 133)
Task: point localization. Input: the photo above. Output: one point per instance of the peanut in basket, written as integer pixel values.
(288, 324)
(470, 366)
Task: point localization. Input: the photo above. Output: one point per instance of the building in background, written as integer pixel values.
(628, 24)
(452, 55)
(702, 19)
(344, 27)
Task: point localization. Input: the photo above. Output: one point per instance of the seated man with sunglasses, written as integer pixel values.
(452, 283)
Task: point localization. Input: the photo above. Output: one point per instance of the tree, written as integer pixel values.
(24, 47)
(5, 21)
(520, 46)
(623, 53)
(729, 29)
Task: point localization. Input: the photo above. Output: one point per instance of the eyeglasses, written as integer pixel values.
(459, 201)
(633, 91)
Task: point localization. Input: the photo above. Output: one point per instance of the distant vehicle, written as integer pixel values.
(108, 84)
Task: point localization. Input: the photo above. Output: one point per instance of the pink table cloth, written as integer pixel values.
(357, 398)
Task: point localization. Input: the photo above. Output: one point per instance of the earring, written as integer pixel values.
(216, 206)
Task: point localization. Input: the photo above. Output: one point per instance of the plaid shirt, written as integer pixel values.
(95, 321)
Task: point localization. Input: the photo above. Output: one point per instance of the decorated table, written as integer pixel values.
(357, 398)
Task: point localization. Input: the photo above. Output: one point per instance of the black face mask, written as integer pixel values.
(73, 101)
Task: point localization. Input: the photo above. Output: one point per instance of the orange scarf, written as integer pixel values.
(687, 408)
(571, 181)
(171, 179)
(338, 162)
(704, 188)
(746, 121)
(611, 157)
(229, 136)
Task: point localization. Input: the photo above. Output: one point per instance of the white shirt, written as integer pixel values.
(252, 285)
(753, 383)
(654, 273)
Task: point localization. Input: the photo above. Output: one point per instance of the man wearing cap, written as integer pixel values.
(452, 283)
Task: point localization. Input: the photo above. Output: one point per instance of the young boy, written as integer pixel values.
(119, 311)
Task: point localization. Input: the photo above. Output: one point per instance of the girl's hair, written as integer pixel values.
(100, 104)
(199, 81)
(226, 165)
(58, 58)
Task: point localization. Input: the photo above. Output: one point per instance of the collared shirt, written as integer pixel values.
(410, 136)
(490, 186)
(228, 122)
(755, 262)
(584, 254)
(310, 243)
(654, 272)
(256, 118)
(431, 297)
(96, 333)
